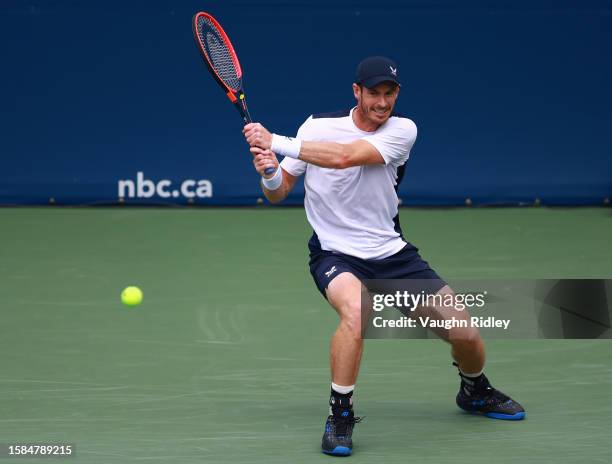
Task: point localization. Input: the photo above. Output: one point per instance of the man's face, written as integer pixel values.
(376, 104)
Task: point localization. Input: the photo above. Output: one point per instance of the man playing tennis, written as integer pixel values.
(353, 161)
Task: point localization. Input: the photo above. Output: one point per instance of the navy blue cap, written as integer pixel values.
(376, 69)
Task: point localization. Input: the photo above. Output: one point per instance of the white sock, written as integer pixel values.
(342, 390)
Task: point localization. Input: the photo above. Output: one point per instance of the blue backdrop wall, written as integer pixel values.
(106, 99)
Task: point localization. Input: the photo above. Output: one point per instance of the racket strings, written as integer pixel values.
(218, 53)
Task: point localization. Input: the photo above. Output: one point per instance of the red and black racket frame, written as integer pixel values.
(236, 96)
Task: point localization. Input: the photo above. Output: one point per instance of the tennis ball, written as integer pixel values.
(131, 296)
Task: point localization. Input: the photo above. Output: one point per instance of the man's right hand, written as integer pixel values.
(257, 135)
(262, 160)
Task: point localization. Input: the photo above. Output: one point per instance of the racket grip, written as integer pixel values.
(269, 170)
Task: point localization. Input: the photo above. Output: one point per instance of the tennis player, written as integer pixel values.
(353, 161)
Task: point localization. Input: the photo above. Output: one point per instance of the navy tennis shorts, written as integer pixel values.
(405, 264)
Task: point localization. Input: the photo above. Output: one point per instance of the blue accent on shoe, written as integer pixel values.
(497, 415)
(339, 451)
(345, 414)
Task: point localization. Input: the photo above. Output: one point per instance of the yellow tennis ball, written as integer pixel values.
(131, 296)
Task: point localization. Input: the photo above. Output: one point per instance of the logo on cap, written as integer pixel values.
(393, 70)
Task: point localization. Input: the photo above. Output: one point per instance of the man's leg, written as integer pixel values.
(344, 295)
(467, 347)
(476, 394)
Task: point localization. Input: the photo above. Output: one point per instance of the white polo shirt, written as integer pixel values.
(352, 210)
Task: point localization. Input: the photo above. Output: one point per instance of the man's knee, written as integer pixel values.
(350, 318)
(465, 339)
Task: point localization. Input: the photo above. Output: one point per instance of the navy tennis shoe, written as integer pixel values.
(477, 396)
(337, 439)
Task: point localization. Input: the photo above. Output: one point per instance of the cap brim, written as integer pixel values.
(374, 81)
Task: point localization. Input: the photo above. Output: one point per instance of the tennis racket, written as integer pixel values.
(222, 62)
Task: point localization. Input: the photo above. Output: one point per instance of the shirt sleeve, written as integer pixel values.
(297, 167)
(394, 140)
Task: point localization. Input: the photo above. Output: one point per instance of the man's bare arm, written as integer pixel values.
(340, 155)
(324, 154)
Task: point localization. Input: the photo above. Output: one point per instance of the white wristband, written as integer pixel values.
(286, 146)
(275, 181)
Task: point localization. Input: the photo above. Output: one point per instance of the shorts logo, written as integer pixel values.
(331, 271)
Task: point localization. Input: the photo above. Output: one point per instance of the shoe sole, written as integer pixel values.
(498, 415)
(339, 451)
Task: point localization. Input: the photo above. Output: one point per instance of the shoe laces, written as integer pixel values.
(495, 396)
(343, 426)
(489, 394)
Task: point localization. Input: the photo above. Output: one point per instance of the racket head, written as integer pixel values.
(222, 61)
(218, 52)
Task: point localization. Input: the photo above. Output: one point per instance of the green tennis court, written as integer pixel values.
(226, 359)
